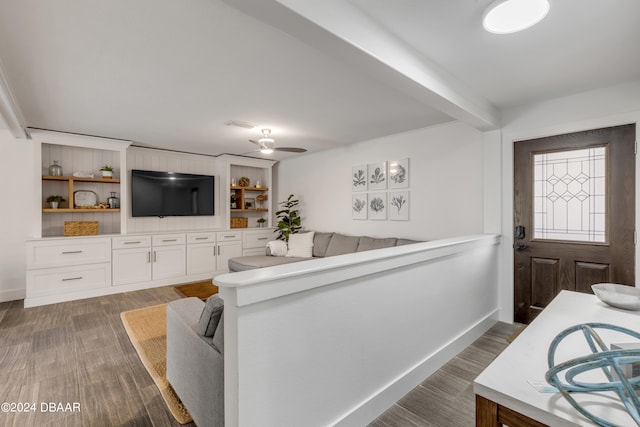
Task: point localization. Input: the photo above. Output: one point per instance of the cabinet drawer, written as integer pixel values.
(228, 236)
(168, 239)
(131, 242)
(201, 237)
(52, 281)
(257, 239)
(57, 253)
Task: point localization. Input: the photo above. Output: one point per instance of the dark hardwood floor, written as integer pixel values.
(79, 352)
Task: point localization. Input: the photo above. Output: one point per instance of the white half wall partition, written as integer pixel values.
(338, 340)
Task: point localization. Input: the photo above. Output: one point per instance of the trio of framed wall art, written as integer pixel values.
(380, 191)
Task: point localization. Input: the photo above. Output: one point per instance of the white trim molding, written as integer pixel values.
(9, 109)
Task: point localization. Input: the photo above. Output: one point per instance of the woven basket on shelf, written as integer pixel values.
(80, 228)
(239, 222)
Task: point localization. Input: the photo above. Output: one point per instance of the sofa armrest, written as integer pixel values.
(195, 368)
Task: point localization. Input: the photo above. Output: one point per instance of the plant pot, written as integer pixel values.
(54, 205)
(107, 174)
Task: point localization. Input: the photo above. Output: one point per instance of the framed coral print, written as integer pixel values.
(359, 178)
(377, 176)
(398, 176)
(398, 205)
(359, 206)
(377, 207)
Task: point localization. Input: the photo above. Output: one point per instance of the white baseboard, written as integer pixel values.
(370, 409)
(12, 294)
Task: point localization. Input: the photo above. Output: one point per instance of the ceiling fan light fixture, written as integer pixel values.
(266, 145)
(511, 16)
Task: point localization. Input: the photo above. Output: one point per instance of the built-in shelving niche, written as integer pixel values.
(78, 159)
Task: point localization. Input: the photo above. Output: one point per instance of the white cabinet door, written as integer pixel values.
(227, 250)
(169, 261)
(201, 258)
(131, 266)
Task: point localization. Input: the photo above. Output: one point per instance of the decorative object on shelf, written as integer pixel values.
(249, 203)
(233, 182)
(359, 206)
(398, 173)
(80, 228)
(233, 203)
(258, 184)
(570, 377)
(113, 201)
(239, 222)
(84, 198)
(244, 181)
(398, 205)
(261, 198)
(288, 218)
(55, 169)
(83, 174)
(54, 201)
(107, 171)
(262, 222)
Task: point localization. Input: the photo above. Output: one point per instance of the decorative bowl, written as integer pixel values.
(619, 296)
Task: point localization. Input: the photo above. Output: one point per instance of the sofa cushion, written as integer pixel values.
(402, 242)
(210, 316)
(301, 245)
(321, 243)
(368, 243)
(277, 248)
(259, 261)
(218, 336)
(341, 244)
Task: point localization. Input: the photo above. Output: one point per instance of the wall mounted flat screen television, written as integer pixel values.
(171, 194)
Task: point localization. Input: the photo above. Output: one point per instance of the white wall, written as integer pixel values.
(589, 110)
(446, 183)
(17, 224)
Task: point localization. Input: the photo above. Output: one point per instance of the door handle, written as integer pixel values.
(519, 247)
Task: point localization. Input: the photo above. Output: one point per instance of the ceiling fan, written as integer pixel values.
(267, 144)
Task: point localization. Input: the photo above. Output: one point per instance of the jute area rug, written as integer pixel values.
(147, 330)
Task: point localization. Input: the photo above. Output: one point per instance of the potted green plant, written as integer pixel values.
(107, 171)
(288, 218)
(233, 201)
(54, 201)
(261, 222)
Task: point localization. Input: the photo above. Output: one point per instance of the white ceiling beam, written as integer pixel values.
(341, 30)
(9, 109)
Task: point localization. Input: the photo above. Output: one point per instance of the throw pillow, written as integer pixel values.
(210, 316)
(301, 245)
(277, 248)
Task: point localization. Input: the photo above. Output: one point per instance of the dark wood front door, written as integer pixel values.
(574, 215)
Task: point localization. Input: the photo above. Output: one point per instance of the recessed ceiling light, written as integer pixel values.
(510, 16)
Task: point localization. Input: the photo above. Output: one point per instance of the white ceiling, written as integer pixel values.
(168, 74)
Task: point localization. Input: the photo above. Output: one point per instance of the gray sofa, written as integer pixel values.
(195, 363)
(324, 245)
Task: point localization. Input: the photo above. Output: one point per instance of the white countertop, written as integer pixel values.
(505, 380)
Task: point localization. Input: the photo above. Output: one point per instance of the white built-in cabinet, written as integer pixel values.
(178, 250)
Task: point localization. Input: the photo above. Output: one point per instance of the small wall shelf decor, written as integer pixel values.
(71, 181)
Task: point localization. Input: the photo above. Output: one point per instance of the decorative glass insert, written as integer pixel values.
(569, 193)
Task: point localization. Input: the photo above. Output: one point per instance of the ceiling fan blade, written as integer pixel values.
(255, 142)
(291, 149)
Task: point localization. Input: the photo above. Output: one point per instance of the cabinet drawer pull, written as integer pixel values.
(148, 257)
(71, 252)
(202, 238)
(169, 240)
(262, 238)
(229, 237)
(154, 256)
(132, 243)
(71, 278)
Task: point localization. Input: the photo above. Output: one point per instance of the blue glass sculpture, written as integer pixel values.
(611, 362)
